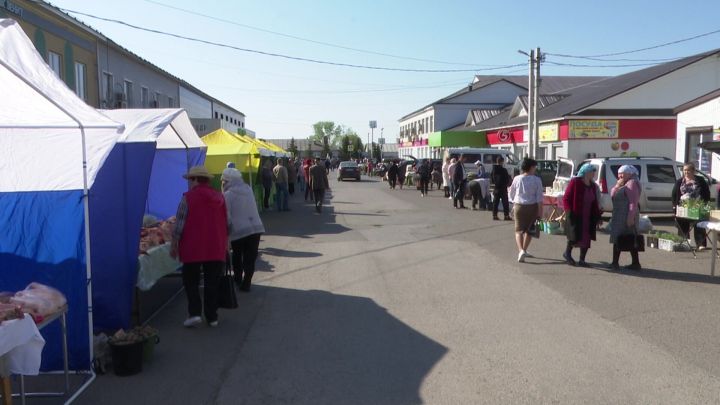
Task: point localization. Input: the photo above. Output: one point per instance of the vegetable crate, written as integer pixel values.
(668, 245)
(695, 213)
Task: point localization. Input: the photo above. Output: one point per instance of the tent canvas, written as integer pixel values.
(119, 198)
(53, 145)
(224, 147)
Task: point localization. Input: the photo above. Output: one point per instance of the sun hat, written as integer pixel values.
(198, 171)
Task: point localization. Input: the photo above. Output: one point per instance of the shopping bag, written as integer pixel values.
(226, 291)
(645, 225)
(534, 230)
(630, 242)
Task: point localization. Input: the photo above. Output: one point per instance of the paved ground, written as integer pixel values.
(389, 298)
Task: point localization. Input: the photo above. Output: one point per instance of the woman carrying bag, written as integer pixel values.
(245, 226)
(625, 216)
(582, 213)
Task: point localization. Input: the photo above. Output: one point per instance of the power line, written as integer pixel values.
(312, 41)
(599, 66)
(615, 60)
(278, 55)
(640, 49)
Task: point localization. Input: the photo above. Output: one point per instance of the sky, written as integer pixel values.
(282, 98)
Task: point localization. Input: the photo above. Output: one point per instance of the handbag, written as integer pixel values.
(534, 230)
(631, 241)
(226, 290)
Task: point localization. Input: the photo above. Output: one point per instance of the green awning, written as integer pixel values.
(457, 139)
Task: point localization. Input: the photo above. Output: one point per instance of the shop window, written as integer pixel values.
(80, 80)
(55, 63)
(696, 155)
(661, 174)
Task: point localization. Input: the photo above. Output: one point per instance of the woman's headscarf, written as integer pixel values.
(233, 177)
(628, 169)
(586, 169)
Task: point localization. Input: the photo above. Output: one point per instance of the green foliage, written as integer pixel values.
(292, 148)
(350, 146)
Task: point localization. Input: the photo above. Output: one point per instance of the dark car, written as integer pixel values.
(348, 170)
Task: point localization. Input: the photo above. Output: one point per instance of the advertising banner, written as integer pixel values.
(594, 129)
(549, 133)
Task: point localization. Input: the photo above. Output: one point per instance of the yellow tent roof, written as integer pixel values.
(222, 142)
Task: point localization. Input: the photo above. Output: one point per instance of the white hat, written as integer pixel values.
(478, 163)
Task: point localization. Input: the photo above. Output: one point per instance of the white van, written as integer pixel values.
(486, 155)
(657, 176)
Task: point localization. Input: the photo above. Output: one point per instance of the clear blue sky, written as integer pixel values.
(283, 98)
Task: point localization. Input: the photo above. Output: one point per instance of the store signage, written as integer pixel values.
(11, 7)
(504, 135)
(549, 133)
(594, 129)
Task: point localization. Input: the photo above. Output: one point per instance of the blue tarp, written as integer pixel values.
(43, 240)
(166, 183)
(117, 203)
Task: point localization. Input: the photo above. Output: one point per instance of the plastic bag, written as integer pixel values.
(644, 225)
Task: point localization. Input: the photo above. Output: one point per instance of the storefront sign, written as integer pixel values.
(549, 133)
(504, 135)
(11, 7)
(594, 129)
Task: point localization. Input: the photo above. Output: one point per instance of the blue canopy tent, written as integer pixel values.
(157, 148)
(53, 145)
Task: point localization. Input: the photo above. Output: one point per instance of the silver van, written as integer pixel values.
(657, 176)
(488, 156)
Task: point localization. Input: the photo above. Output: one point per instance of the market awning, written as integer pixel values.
(457, 139)
(712, 146)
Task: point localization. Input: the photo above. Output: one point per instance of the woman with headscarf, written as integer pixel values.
(690, 187)
(245, 226)
(582, 213)
(625, 215)
(306, 173)
(446, 176)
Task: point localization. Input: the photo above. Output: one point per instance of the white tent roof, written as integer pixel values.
(46, 131)
(170, 127)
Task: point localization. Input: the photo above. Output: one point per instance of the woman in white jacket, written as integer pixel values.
(245, 226)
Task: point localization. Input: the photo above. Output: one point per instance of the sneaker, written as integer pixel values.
(450, 198)
(528, 255)
(701, 248)
(213, 324)
(521, 257)
(192, 321)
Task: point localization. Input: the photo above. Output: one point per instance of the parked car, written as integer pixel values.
(348, 170)
(657, 176)
(488, 156)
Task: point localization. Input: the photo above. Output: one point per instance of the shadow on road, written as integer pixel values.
(318, 347)
(287, 253)
(303, 221)
(662, 274)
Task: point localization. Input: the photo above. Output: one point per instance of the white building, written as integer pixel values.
(699, 121)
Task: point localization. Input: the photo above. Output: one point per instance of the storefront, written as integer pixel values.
(699, 121)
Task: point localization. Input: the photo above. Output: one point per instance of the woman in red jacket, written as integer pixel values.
(582, 213)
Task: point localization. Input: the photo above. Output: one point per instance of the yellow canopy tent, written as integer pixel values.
(224, 147)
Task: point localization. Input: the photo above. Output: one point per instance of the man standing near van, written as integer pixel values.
(501, 179)
(459, 180)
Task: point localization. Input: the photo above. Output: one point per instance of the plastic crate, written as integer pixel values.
(668, 245)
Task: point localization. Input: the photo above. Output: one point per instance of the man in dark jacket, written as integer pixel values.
(424, 173)
(693, 187)
(392, 175)
(459, 179)
(501, 179)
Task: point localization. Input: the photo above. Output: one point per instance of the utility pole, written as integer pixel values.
(536, 101)
(373, 125)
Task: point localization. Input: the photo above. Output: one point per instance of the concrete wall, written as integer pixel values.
(122, 67)
(196, 105)
(703, 115)
(230, 119)
(671, 90)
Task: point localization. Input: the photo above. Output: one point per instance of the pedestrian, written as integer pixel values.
(436, 177)
(625, 216)
(306, 173)
(446, 177)
(280, 174)
(480, 170)
(327, 166)
(319, 183)
(423, 171)
(451, 172)
(526, 193)
(392, 175)
(301, 179)
(501, 179)
(459, 182)
(245, 226)
(267, 182)
(690, 187)
(582, 213)
(402, 173)
(292, 176)
(200, 242)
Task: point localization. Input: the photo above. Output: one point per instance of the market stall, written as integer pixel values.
(53, 145)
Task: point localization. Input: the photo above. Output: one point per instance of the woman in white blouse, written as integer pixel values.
(526, 193)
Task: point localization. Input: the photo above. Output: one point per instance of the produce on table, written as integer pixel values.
(157, 234)
(36, 299)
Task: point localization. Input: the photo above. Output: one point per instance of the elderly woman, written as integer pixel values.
(446, 176)
(625, 215)
(526, 193)
(582, 213)
(245, 226)
(690, 187)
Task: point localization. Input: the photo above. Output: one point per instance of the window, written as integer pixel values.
(432, 124)
(157, 99)
(489, 158)
(108, 82)
(80, 75)
(222, 117)
(216, 115)
(701, 158)
(144, 97)
(55, 62)
(242, 125)
(128, 91)
(171, 102)
(661, 174)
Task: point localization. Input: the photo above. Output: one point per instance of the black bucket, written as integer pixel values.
(149, 348)
(127, 358)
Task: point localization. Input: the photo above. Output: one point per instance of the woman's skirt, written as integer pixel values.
(525, 216)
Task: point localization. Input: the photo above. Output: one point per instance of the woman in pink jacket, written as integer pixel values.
(625, 215)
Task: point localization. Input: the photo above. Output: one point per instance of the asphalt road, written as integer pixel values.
(389, 298)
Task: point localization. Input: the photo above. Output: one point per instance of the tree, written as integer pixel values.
(292, 148)
(327, 132)
(350, 146)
